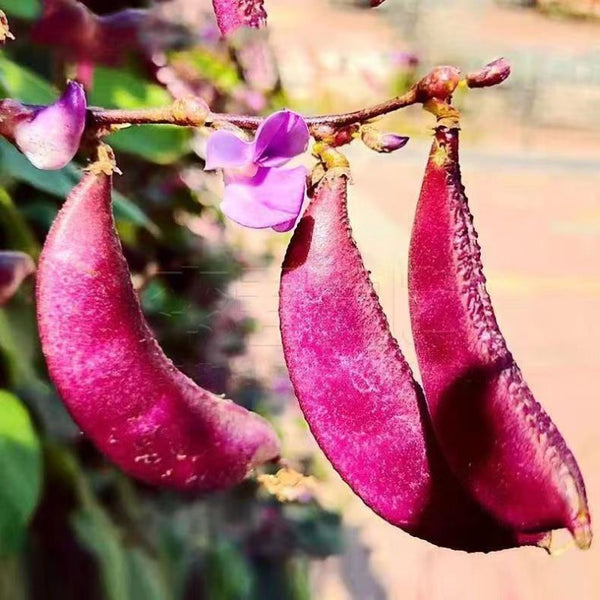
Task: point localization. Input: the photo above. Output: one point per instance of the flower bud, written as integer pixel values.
(380, 141)
(4, 30)
(333, 136)
(14, 268)
(191, 108)
(50, 137)
(492, 74)
(440, 83)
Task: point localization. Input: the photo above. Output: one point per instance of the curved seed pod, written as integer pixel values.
(499, 441)
(145, 415)
(356, 390)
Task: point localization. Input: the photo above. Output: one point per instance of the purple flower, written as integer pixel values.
(259, 193)
(50, 136)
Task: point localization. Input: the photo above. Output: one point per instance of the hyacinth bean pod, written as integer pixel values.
(234, 14)
(357, 391)
(123, 392)
(497, 439)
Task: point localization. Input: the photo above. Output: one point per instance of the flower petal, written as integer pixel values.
(14, 268)
(51, 139)
(281, 136)
(225, 150)
(284, 226)
(271, 198)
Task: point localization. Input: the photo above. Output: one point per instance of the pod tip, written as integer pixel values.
(581, 530)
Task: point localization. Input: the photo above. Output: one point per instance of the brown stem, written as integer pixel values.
(336, 121)
(101, 117)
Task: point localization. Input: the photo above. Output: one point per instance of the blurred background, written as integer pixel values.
(72, 526)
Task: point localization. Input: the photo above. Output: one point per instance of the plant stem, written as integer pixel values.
(337, 120)
(101, 117)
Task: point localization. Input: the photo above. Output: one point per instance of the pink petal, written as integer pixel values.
(51, 139)
(225, 150)
(285, 226)
(281, 136)
(271, 198)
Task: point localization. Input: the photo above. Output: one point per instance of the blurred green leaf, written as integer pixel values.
(20, 350)
(22, 9)
(126, 573)
(13, 578)
(20, 471)
(22, 84)
(214, 67)
(15, 230)
(298, 579)
(100, 537)
(317, 531)
(228, 576)
(161, 144)
(116, 88)
(60, 183)
(145, 581)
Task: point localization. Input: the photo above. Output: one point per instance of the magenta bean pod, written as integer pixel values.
(497, 439)
(357, 391)
(123, 392)
(233, 14)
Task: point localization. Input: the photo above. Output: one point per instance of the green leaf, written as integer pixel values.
(228, 575)
(161, 144)
(115, 88)
(210, 65)
(20, 472)
(22, 84)
(100, 537)
(60, 183)
(22, 9)
(144, 576)
(15, 229)
(126, 573)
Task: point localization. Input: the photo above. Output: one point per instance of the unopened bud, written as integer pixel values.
(439, 83)
(333, 136)
(191, 109)
(381, 141)
(4, 30)
(50, 137)
(375, 3)
(492, 74)
(14, 268)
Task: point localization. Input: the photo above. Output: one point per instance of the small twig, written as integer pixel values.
(166, 115)
(338, 120)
